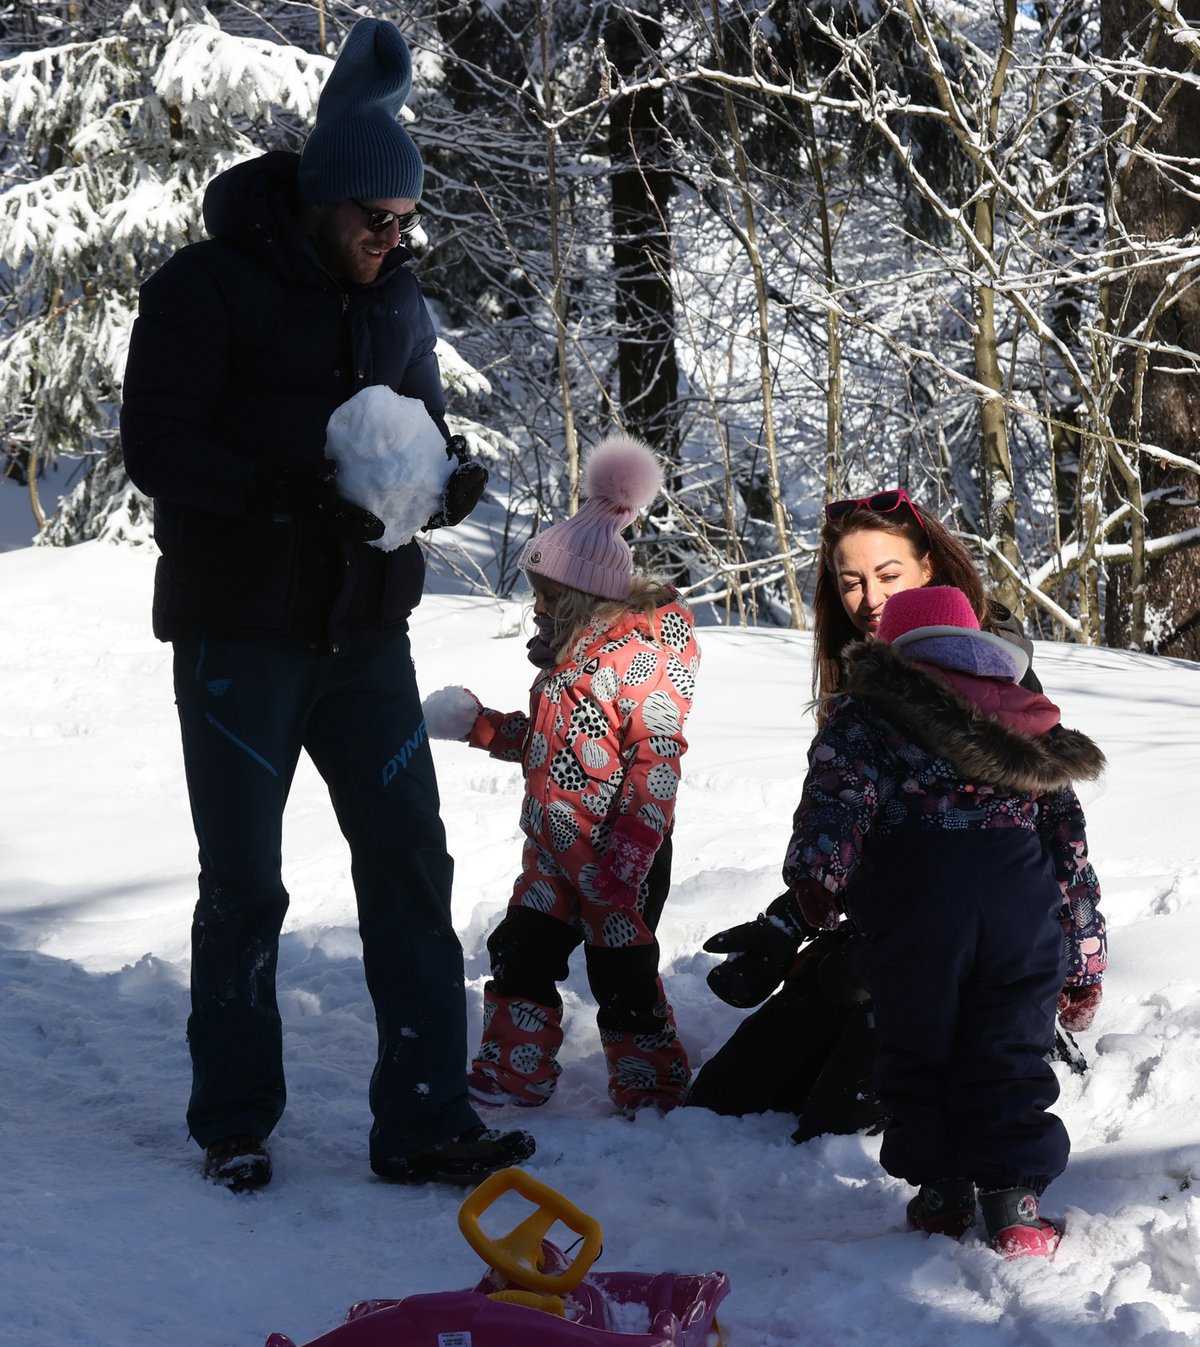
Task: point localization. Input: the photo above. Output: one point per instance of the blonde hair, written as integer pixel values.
(577, 612)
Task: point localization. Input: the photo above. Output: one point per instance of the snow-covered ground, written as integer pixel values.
(111, 1239)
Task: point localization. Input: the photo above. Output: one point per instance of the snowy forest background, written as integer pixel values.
(806, 250)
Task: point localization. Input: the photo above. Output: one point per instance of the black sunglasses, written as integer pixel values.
(882, 502)
(379, 220)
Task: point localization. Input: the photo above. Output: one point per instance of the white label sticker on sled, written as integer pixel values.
(454, 1340)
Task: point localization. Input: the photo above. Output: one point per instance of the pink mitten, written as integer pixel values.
(1077, 1006)
(631, 852)
(817, 905)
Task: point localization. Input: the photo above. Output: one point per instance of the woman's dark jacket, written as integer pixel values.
(1004, 623)
(243, 347)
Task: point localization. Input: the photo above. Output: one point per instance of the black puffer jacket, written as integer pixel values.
(243, 347)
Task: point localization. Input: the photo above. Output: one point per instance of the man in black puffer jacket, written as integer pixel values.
(290, 632)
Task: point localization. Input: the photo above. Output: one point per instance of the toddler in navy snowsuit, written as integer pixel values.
(938, 813)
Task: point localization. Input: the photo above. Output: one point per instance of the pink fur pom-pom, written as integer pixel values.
(622, 472)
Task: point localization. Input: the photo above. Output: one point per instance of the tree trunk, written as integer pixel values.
(978, 140)
(996, 469)
(1156, 403)
(834, 468)
(995, 465)
(647, 370)
(558, 298)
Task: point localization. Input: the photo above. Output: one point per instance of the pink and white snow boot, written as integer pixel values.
(1014, 1226)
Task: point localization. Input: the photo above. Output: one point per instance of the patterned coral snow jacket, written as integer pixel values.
(913, 746)
(604, 734)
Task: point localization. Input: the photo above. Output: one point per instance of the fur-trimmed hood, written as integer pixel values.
(981, 746)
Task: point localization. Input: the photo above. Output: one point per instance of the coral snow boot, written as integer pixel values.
(946, 1207)
(1014, 1227)
(646, 1070)
(517, 1061)
(484, 1087)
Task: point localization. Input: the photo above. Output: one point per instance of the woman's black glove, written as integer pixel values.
(837, 973)
(760, 953)
(464, 487)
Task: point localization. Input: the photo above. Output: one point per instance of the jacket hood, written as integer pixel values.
(255, 205)
(978, 736)
(1027, 712)
(254, 201)
(595, 636)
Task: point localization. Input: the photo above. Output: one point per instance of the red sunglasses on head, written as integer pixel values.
(882, 502)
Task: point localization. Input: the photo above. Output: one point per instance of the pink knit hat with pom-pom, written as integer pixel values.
(587, 551)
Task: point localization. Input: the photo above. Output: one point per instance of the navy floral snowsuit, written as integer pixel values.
(938, 811)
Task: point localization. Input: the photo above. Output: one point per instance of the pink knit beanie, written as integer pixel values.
(937, 625)
(930, 606)
(587, 551)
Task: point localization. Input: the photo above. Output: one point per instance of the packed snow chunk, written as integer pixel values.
(391, 460)
(450, 713)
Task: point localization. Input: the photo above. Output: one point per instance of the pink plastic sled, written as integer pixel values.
(532, 1295)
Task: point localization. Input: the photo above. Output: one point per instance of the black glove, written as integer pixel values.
(464, 487)
(760, 953)
(837, 974)
(284, 492)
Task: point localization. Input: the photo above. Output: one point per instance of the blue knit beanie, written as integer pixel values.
(357, 147)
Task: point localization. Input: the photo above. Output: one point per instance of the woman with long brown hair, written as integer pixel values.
(871, 547)
(875, 546)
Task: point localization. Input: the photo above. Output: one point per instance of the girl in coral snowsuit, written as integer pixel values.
(600, 748)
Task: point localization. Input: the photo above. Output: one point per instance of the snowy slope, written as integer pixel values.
(111, 1238)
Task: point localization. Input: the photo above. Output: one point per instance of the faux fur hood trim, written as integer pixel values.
(981, 747)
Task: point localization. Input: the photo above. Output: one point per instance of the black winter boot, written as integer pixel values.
(1014, 1227)
(239, 1163)
(467, 1158)
(945, 1207)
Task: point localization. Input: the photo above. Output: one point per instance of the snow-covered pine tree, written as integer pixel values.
(110, 137)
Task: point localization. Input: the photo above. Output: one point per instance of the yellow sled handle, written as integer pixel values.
(518, 1255)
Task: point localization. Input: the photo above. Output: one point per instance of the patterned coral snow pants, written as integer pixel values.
(530, 950)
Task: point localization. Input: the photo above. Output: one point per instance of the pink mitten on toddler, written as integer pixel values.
(626, 863)
(817, 905)
(1077, 1006)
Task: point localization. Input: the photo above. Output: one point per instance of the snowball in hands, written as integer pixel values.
(391, 460)
(450, 713)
